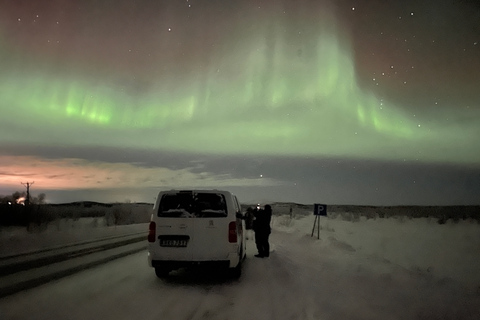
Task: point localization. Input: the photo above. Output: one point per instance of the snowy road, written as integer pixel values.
(304, 278)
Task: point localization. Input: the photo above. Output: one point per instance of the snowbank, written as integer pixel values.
(17, 240)
(448, 251)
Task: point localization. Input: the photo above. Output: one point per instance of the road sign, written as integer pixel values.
(320, 209)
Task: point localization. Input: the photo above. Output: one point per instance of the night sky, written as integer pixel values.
(337, 102)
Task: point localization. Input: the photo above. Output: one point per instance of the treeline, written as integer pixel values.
(38, 213)
(21, 197)
(441, 213)
(353, 212)
(12, 214)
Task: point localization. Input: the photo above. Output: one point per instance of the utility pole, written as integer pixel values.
(27, 185)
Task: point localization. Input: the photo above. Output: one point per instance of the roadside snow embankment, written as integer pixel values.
(17, 240)
(445, 251)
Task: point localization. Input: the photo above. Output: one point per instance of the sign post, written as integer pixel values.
(319, 210)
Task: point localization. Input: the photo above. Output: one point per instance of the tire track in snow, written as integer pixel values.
(263, 291)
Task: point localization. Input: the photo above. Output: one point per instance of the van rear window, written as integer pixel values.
(192, 205)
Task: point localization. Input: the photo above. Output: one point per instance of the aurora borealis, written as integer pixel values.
(345, 101)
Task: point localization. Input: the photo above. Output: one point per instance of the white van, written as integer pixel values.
(196, 227)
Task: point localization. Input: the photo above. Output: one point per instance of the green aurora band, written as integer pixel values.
(263, 97)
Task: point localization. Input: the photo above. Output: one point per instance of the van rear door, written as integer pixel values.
(175, 226)
(210, 240)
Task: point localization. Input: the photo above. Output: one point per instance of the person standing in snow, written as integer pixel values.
(249, 216)
(261, 226)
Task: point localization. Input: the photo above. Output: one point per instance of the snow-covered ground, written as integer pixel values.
(392, 268)
(16, 240)
(444, 251)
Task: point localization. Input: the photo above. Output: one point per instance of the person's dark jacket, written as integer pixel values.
(262, 220)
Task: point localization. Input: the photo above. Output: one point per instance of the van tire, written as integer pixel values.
(161, 272)
(236, 272)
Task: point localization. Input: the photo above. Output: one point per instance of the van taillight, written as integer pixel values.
(232, 232)
(151, 231)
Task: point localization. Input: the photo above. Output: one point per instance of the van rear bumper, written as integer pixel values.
(232, 262)
(176, 264)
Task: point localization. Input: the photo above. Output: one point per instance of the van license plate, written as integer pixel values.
(173, 243)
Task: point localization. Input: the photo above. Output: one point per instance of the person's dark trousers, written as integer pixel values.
(261, 240)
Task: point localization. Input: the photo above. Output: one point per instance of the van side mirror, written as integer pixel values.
(240, 215)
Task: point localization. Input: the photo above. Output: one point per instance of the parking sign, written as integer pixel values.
(320, 209)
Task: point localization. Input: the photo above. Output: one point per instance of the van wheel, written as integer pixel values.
(162, 272)
(236, 272)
